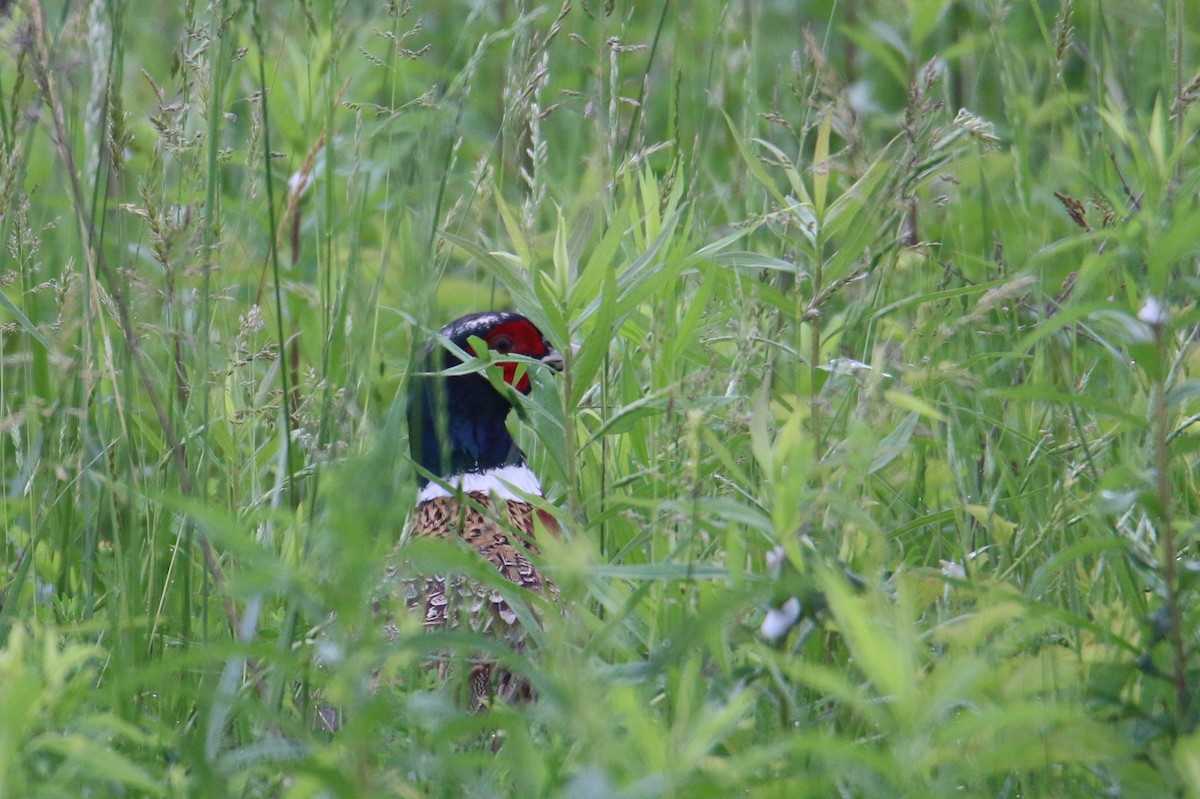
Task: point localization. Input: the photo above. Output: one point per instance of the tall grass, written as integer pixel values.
(887, 307)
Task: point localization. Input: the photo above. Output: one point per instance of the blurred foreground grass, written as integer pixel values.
(905, 290)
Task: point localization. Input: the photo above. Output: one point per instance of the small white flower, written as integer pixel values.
(775, 559)
(1153, 313)
(328, 653)
(299, 183)
(953, 570)
(847, 366)
(780, 620)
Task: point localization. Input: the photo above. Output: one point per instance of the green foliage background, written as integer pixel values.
(903, 291)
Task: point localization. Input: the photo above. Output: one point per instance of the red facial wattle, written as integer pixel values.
(510, 374)
(518, 337)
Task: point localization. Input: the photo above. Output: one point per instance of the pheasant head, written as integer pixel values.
(457, 428)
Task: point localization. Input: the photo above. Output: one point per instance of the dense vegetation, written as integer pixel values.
(905, 290)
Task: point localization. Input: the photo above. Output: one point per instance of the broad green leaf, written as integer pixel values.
(753, 163)
(820, 166)
(908, 402)
(795, 181)
(894, 444)
(23, 320)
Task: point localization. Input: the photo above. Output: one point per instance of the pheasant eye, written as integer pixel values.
(502, 344)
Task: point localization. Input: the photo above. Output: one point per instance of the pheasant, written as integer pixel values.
(478, 492)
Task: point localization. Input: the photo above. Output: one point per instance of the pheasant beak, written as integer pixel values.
(553, 359)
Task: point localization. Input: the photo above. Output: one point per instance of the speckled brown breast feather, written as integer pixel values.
(502, 532)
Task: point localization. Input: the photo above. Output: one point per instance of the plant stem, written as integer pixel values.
(1167, 538)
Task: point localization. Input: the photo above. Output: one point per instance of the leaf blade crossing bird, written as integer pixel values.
(474, 486)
